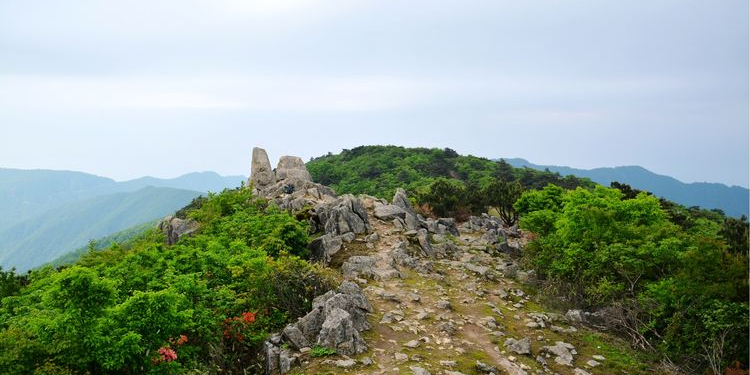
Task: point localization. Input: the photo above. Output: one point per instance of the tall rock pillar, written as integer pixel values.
(261, 174)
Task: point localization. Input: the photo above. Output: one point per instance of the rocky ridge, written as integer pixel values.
(420, 295)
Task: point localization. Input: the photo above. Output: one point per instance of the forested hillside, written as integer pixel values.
(204, 305)
(43, 238)
(733, 200)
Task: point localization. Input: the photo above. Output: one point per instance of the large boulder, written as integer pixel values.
(389, 212)
(261, 174)
(423, 236)
(175, 228)
(335, 321)
(401, 200)
(292, 167)
(324, 247)
(345, 214)
(338, 332)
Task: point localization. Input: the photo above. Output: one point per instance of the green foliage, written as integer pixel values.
(379, 170)
(680, 289)
(321, 351)
(207, 302)
(46, 237)
(446, 197)
(502, 195)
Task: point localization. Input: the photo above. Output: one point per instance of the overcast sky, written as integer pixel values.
(154, 87)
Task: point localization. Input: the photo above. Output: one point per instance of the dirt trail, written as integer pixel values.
(445, 320)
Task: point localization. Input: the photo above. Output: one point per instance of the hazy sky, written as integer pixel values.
(147, 87)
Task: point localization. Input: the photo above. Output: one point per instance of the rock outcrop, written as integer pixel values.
(261, 174)
(343, 215)
(292, 167)
(335, 322)
(175, 228)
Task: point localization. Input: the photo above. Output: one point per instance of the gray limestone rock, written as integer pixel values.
(418, 371)
(522, 346)
(286, 361)
(325, 246)
(562, 352)
(338, 333)
(346, 214)
(295, 337)
(412, 224)
(261, 174)
(389, 212)
(401, 200)
(292, 167)
(175, 228)
(424, 242)
(359, 266)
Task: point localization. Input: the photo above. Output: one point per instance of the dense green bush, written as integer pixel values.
(679, 289)
(204, 304)
(380, 170)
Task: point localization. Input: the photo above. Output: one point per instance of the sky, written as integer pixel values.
(125, 89)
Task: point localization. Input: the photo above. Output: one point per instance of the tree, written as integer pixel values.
(444, 196)
(502, 195)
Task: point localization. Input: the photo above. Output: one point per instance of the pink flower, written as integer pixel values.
(167, 354)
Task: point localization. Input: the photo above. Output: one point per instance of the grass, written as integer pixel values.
(321, 351)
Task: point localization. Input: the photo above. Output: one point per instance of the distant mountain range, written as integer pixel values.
(734, 200)
(45, 214)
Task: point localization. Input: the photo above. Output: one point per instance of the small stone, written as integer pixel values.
(345, 363)
(412, 344)
(592, 363)
(422, 315)
(444, 305)
(367, 361)
(598, 357)
(419, 371)
(448, 363)
(512, 358)
(579, 371)
(414, 297)
(401, 357)
(485, 368)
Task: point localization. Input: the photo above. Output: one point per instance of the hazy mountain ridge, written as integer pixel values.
(46, 213)
(27, 193)
(733, 200)
(46, 237)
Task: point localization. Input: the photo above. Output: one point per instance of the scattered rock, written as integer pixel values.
(390, 212)
(366, 361)
(485, 368)
(345, 363)
(579, 371)
(338, 333)
(522, 346)
(401, 200)
(286, 361)
(346, 214)
(424, 242)
(592, 363)
(419, 371)
(359, 266)
(599, 358)
(324, 247)
(401, 357)
(444, 305)
(448, 363)
(413, 344)
(563, 352)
